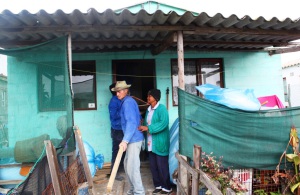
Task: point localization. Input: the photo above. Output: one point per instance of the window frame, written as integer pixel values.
(92, 71)
(198, 62)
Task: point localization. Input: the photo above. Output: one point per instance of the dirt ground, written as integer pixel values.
(121, 187)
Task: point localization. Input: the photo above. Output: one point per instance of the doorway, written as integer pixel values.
(139, 73)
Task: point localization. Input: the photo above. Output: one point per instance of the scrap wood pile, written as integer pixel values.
(102, 175)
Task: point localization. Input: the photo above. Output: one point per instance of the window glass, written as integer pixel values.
(197, 72)
(84, 85)
(189, 78)
(210, 71)
(51, 88)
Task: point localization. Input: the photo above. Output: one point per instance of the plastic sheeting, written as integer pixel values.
(174, 147)
(90, 155)
(245, 139)
(233, 98)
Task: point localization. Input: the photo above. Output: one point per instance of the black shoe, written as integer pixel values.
(119, 177)
(156, 191)
(165, 192)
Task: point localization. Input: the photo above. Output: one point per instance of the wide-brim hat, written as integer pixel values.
(120, 85)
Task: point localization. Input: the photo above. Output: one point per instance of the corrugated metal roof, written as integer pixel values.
(110, 31)
(295, 62)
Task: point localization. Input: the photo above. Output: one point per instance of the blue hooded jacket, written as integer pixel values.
(130, 120)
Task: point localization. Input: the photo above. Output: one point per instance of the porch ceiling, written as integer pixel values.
(109, 31)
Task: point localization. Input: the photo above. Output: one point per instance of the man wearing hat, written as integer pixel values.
(156, 124)
(132, 140)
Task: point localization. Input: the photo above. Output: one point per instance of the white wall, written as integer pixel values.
(292, 75)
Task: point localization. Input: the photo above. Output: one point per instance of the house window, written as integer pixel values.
(197, 72)
(84, 85)
(51, 88)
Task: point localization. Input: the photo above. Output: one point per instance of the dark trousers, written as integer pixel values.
(159, 166)
(117, 137)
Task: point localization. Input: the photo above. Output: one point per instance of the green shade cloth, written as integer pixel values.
(245, 139)
(31, 149)
(39, 99)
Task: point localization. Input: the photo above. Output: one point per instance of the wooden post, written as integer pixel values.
(167, 93)
(70, 58)
(180, 60)
(53, 166)
(84, 160)
(196, 178)
(197, 156)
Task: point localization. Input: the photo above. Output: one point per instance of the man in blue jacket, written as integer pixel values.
(156, 125)
(116, 129)
(132, 140)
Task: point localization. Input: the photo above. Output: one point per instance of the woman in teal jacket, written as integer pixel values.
(156, 126)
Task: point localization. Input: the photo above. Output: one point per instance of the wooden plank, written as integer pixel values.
(10, 165)
(84, 159)
(180, 189)
(285, 50)
(209, 184)
(184, 172)
(189, 29)
(114, 171)
(181, 83)
(167, 42)
(133, 42)
(7, 182)
(53, 166)
(184, 163)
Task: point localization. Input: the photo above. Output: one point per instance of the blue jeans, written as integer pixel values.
(132, 168)
(117, 136)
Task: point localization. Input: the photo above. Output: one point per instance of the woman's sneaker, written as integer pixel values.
(157, 191)
(166, 192)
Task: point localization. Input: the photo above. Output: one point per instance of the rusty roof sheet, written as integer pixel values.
(125, 31)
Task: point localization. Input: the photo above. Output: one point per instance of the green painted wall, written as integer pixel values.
(3, 101)
(242, 70)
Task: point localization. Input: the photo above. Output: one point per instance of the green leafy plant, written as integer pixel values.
(260, 192)
(275, 193)
(293, 181)
(215, 170)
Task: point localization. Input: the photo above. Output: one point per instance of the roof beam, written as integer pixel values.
(285, 50)
(186, 29)
(167, 42)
